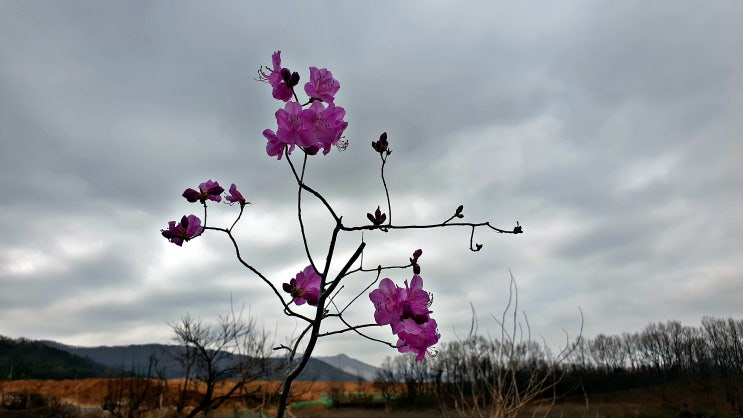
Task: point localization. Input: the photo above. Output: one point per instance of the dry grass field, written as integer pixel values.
(668, 401)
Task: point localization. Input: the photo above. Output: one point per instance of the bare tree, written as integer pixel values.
(386, 381)
(132, 396)
(505, 374)
(224, 355)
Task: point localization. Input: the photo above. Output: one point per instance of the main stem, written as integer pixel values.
(286, 387)
(314, 334)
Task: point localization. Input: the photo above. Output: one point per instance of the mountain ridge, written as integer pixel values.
(351, 365)
(136, 359)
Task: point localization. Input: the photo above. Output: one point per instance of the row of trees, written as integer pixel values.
(710, 356)
(668, 348)
(476, 376)
(499, 376)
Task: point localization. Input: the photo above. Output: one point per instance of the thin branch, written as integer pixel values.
(242, 207)
(350, 328)
(300, 181)
(353, 328)
(429, 226)
(379, 273)
(383, 156)
(258, 273)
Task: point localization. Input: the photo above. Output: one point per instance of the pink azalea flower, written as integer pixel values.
(324, 127)
(292, 125)
(406, 311)
(210, 190)
(275, 147)
(415, 304)
(305, 287)
(189, 227)
(314, 128)
(387, 302)
(322, 85)
(329, 127)
(418, 338)
(235, 196)
(277, 78)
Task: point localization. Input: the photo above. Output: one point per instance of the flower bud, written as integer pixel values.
(381, 145)
(294, 79)
(378, 218)
(286, 75)
(517, 229)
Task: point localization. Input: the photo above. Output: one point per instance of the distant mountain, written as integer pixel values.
(352, 366)
(136, 359)
(139, 359)
(26, 359)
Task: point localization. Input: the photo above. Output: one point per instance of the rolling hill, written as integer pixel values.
(136, 359)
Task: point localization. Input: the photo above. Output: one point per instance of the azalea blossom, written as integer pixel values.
(387, 302)
(208, 190)
(305, 287)
(274, 147)
(322, 85)
(278, 77)
(323, 127)
(318, 126)
(406, 311)
(292, 125)
(235, 196)
(415, 304)
(189, 227)
(418, 338)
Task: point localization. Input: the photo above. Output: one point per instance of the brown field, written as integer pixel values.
(91, 393)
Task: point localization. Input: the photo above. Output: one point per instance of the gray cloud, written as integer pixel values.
(610, 132)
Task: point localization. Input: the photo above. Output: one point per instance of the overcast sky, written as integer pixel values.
(611, 131)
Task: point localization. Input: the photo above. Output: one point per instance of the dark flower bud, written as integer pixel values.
(458, 212)
(378, 218)
(294, 79)
(381, 145)
(517, 229)
(417, 253)
(191, 195)
(286, 75)
(416, 269)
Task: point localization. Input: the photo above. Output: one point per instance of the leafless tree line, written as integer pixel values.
(669, 348)
(476, 376)
(496, 377)
(710, 355)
